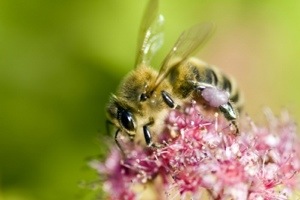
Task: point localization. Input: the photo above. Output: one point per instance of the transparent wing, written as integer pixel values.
(150, 37)
(187, 44)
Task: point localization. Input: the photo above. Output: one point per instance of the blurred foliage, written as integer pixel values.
(60, 60)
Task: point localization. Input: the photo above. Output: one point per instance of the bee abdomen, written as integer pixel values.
(214, 77)
(195, 74)
(230, 86)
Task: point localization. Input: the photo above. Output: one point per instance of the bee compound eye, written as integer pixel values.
(126, 120)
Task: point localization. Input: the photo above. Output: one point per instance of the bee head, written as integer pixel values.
(121, 115)
(127, 107)
(137, 86)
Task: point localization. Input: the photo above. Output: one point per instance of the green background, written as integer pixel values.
(60, 60)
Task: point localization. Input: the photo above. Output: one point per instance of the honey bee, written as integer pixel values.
(145, 96)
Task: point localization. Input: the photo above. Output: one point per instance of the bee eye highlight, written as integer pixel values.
(126, 119)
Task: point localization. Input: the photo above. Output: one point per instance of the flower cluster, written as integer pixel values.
(203, 157)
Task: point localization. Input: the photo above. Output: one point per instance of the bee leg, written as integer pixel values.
(118, 143)
(107, 124)
(230, 114)
(228, 111)
(168, 100)
(237, 130)
(147, 135)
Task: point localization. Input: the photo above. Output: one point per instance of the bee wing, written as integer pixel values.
(150, 37)
(187, 44)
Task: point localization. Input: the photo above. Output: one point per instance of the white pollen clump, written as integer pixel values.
(272, 140)
(214, 96)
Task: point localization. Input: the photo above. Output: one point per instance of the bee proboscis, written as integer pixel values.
(145, 96)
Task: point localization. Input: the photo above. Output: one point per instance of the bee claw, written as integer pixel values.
(237, 130)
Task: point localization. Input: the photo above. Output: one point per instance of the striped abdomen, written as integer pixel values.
(194, 72)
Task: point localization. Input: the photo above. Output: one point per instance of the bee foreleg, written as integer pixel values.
(117, 142)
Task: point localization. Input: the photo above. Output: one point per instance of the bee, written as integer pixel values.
(145, 96)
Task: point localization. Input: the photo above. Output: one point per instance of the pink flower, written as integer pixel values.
(207, 158)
